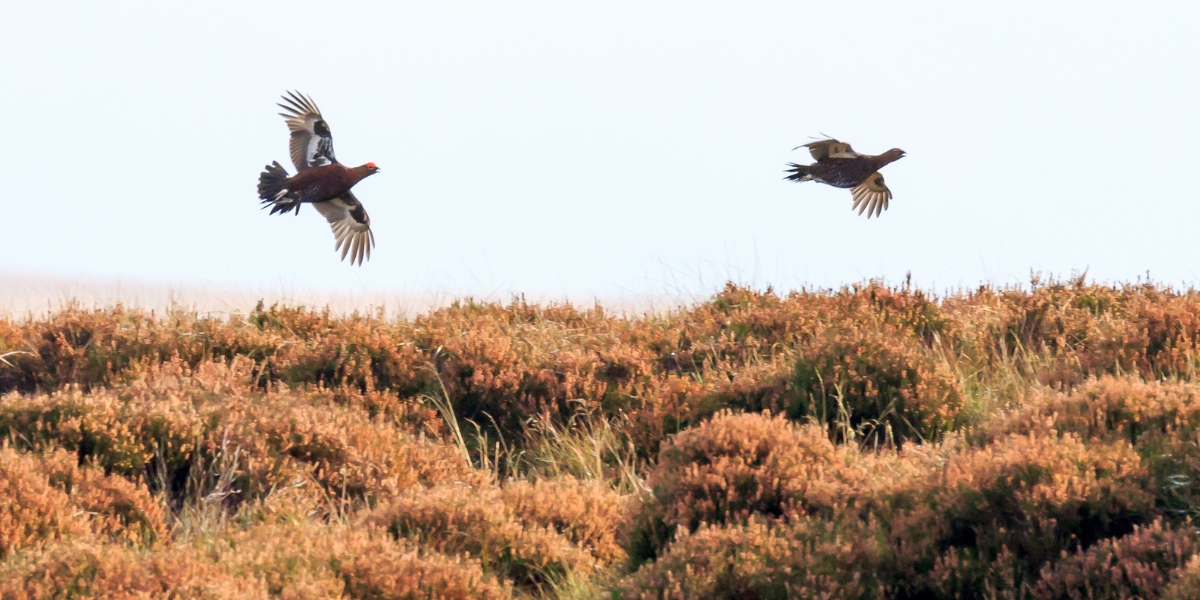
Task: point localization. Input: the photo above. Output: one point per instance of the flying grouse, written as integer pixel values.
(320, 179)
(840, 166)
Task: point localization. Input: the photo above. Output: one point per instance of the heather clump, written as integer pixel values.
(292, 555)
(1080, 330)
(1012, 506)
(107, 570)
(287, 556)
(1108, 408)
(948, 519)
(803, 559)
(345, 451)
(78, 346)
(737, 466)
(49, 497)
(1138, 565)
(754, 351)
(1159, 418)
(33, 509)
(878, 379)
(504, 366)
(1185, 583)
(754, 322)
(91, 348)
(687, 400)
(588, 513)
(177, 423)
(115, 506)
(390, 571)
(457, 519)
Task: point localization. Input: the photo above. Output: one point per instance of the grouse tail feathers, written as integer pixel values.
(272, 191)
(798, 172)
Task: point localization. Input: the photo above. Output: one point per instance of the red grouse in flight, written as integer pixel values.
(319, 179)
(840, 166)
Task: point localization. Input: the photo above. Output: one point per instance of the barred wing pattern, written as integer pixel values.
(351, 226)
(871, 195)
(312, 143)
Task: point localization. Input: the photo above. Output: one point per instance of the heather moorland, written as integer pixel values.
(875, 441)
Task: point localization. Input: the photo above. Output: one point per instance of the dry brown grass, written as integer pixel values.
(870, 442)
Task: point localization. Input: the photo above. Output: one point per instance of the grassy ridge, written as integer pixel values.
(872, 441)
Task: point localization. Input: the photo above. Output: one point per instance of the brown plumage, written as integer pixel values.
(840, 166)
(320, 179)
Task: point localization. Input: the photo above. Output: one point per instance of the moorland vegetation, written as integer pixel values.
(874, 441)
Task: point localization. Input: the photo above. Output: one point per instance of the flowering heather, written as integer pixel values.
(456, 520)
(583, 511)
(734, 467)
(1185, 582)
(868, 442)
(1136, 565)
(49, 497)
(801, 558)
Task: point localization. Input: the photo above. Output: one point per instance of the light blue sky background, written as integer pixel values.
(564, 148)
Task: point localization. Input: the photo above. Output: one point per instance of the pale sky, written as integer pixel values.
(603, 148)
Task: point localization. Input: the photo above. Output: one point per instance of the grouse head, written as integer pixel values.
(370, 169)
(893, 155)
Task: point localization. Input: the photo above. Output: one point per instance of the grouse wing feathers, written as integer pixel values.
(312, 143)
(830, 148)
(351, 226)
(871, 195)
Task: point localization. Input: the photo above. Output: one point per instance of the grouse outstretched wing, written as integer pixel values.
(312, 143)
(829, 148)
(351, 226)
(871, 195)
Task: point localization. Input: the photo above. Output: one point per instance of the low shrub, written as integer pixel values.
(1185, 584)
(278, 542)
(802, 559)
(386, 570)
(1160, 419)
(457, 519)
(736, 466)
(176, 424)
(588, 513)
(106, 570)
(33, 509)
(1004, 511)
(49, 497)
(1138, 565)
(1078, 330)
(879, 379)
